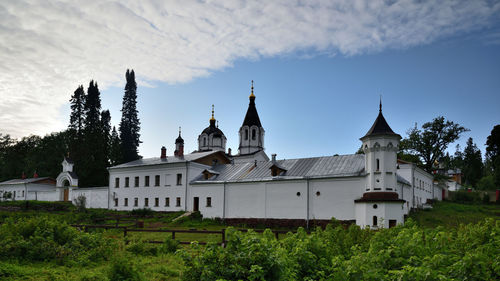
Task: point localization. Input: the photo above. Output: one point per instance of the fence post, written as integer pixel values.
(173, 235)
(223, 232)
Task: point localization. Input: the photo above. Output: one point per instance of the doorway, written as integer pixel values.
(196, 204)
(66, 194)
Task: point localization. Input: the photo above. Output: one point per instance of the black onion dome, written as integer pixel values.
(213, 130)
(179, 139)
(252, 117)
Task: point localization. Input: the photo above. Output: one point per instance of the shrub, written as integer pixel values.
(143, 248)
(143, 212)
(81, 203)
(123, 270)
(170, 245)
(44, 239)
(463, 196)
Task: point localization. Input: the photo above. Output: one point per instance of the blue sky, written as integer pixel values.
(322, 105)
(319, 67)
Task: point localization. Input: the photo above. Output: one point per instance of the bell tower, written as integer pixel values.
(251, 132)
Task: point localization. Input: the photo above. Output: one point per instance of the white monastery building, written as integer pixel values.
(372, 189)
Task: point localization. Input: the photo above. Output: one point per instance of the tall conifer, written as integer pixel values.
(129, 124)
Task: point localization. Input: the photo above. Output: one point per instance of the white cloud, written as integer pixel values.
(48, 48)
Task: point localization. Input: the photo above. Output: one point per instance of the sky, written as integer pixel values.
(319, 67)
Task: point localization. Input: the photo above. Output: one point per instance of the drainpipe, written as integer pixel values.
(307, 204)
(186, 188)
(224, 201)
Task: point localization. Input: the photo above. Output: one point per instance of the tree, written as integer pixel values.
(473, 163)
(129, 124)
(77, 116)
(430, 142)
(115, 156)
(106, 134)
(493, 152)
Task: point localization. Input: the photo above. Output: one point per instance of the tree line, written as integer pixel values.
(89, 140)
(426, 147)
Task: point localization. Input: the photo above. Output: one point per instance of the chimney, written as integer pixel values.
(163, 153)
(229, 151)
(274, 157)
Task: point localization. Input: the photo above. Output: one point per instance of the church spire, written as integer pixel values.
(213, 118)
(380, 105)
(251, 94)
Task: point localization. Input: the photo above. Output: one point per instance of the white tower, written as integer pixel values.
(251, 132)
(380, 205)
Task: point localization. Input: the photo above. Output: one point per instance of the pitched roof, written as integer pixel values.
(170, 159)
(22, 181)
(252, 117)
(380, 127)
(328, 166)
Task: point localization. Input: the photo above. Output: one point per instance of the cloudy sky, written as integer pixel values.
(319, 66)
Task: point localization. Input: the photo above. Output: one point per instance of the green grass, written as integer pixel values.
(451, 214)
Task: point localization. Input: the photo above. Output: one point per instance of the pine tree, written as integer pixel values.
(129, 124)
(106, 134)
(115, 156)
(473, 163)
(77, 116)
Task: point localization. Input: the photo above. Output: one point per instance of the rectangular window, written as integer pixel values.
(146, 181)
(209, 201)
(167, 180)
(157, 180)
(157, 202)
(167, 202)
(178, 202)
(125, 203)
(117, 182)
(179, 179)
(136, 182)
(136, 202)
(146, 202)
(126, 181)
(116, 202)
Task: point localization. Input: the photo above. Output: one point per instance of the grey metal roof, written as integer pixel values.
(169, 159)
(22, 181)
(402, 180)
(317, 167)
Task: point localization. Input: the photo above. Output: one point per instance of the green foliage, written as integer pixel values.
(130, 124)
(463, 196)
(80, 203)
(170, 245)
(493, 152)
(473, 163)
(44, 239)
(39, 205)
(123, 270)
(430, 142)
(142, 212)
(469, 252)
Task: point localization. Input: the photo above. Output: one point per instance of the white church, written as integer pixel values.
(372, 189)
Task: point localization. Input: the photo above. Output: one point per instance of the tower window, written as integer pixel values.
(204, 141)
(375, 220)
(246, 134)
(378, 164)
(253, 134)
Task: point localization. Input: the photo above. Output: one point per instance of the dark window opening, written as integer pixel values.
(209, 201)
(136, 181)
(157, 202)
(178, 202)
(253, 134)
(318, 193)
(116, 202)
(136, 202)
(392, 223)
(146, 202)
(157, 180)
(126, 182)
(204, 141)
(378, 164)
(146, 181)
(375, 220)
(167, 202)
(298, 193)
(375, 206)
(117, 182)
(246, 134)
(179, 179)
(125, 203)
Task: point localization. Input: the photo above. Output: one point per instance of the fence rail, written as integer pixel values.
(126, 230)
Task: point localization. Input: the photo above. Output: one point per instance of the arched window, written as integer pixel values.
(246, 134)
(378, 164)
(204, 141)
(375, 220)
(253, 134)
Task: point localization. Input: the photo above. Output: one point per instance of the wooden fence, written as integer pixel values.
(126, 230)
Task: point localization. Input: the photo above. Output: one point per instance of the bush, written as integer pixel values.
(143, 212)
(44, 239)
(123, 270)
(409, 252)
(170, 245)
(463, 196)
(39, 205)
(81, 203)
